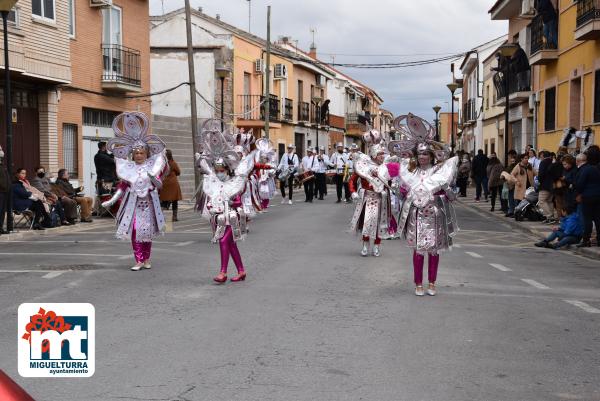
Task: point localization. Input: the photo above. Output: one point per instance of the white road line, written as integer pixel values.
(500, 267)
(475, 255)
(582, 305)
(52, 274)
(186, 243)
(124, 257)
(535, 284)
(33, 253)
(23, 271)
(457, 246)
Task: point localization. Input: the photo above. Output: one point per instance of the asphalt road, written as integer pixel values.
(314, 320)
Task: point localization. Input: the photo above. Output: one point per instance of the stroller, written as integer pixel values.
(528, 208)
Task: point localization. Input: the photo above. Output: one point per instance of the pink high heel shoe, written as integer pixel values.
(221, 278)
(239, 277)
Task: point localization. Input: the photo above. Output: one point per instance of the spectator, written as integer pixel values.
(85, 202)
(587, 188)
(558, 185)
(4, 188)
(546, 191)
(41, 183)
(171, 191)
(24, 200)
(593, 155)
(479, 173)
(494, 170)
(569, 176)
(523, 173)
(568, 233)
(510, 182)
(534, 161)
(549, 16)
(464, 169)
(105, 170)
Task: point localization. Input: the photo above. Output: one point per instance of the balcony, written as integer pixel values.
(317, 116)
(122, 69)
(356, 124)
(588, 20)
(303, 112)
(470, 112)
(253, 108)
(543, 51)
(288, 109)
(519, 89)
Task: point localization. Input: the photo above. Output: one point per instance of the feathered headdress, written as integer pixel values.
(240, 140)
(131, 132)
(214, 147)
(375, 142)
(265, 149)
(416, 135)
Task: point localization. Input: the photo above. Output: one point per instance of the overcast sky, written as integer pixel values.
(375, 31)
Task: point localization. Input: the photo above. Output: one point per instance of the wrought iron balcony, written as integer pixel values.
(303, 112)
(588, 20)
(519, 87)
(317, 116)
(543, 48)
(122, 68)
(288, 109)
(253, 108)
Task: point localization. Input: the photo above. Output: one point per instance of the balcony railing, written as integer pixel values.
(518, 82)
(121, 65)
(303, 112)
(317, 116)
(288, 109)
(253, 108)
(539, 41)
(587, 10)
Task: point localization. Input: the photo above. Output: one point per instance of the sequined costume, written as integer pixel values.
(139, 217)
(266, 175)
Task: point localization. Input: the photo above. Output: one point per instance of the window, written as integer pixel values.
(72, 18)
(43, 9)
(111, 26)
(98, 118)
(550, 109)
(597, 96)
(13, 17)
(487, 97)
(69, 146)
(492, 146)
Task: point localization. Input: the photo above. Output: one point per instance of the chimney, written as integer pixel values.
(218, 17)
(313, 51)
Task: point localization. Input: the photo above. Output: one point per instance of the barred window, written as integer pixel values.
(597, 96)
(98, 118)
(550, 109)
(69, 145)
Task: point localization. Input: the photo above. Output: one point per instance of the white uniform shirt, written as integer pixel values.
(338, 161)
(289, 157)
(323, 164)
(310, 163)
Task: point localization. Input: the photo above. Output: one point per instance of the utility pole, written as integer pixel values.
(192, 80)
(249, 13)
(267, 104)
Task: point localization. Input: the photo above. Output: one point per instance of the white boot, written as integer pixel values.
(431, 289)
(147, 265)
(137, 266)
(419, 291)
(376, 252)
(365, 249)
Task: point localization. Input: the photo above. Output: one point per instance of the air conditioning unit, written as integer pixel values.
(259, 66)
(280, 71)
(101, 3)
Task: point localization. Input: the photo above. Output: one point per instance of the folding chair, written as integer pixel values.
(26, 216)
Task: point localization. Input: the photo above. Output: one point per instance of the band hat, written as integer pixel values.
(339, 145)
(354, 147)
(291, 146)
(322, 148)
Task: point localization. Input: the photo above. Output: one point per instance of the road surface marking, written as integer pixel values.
(53, 274)
(535, 284)
(500, 267)
(458, 246)
(186, 243)
(124, 257)
(583, 305)
(56, 254)
(475, 255)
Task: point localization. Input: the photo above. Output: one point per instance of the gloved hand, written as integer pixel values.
(354, 196)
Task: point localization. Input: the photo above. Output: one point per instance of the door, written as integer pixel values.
(299, 142)
(111, 40)
(90, 148)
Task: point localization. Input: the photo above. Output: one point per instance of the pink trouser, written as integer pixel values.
(229, 247)
(264, 203)
(141, 250)
(432, 267)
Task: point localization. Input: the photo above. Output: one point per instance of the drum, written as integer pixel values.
(330, 173)
(306, 176)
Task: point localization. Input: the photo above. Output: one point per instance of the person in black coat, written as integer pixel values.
(23, 200)
(546, 192)
(587, 187)
(4, 188)
(479, 172)
(105, 168)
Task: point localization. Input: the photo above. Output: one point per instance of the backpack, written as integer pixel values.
(52, 221)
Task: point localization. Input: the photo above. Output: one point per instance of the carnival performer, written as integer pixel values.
(264, 170)
(310, 166)
(320, 175)
(427, 219)
(139, 217)
(250, 197)
(373, 218)
(288, 167)
(340, 161)
(225, 177)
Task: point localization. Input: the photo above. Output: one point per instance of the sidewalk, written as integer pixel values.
(536, 229)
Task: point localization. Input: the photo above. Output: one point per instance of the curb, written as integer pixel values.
(592, 253)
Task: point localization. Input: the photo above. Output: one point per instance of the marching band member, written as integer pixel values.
(309, 164)
(288, 166)
(265, 176)
(320, 175)
(139, 217)
(339, 161)
(225, 177)
(427, 219)
(373, 217)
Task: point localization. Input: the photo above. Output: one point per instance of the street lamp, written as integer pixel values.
(317, 100)
(453, 86)
(505, 53)
(437, 122)
(222, 73)
(5, 7)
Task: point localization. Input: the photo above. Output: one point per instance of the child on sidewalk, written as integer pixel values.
(568, 232)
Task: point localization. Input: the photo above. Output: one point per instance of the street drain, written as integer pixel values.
(71, 267)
